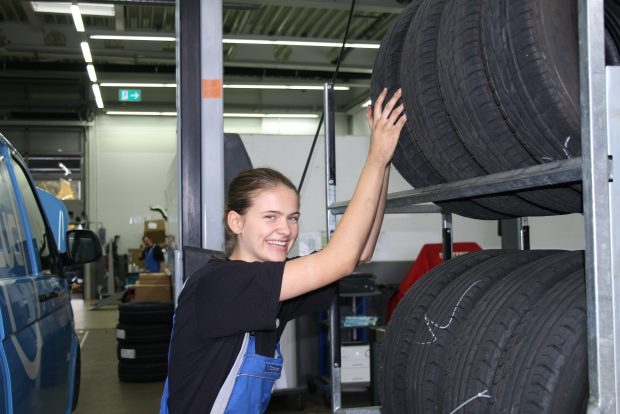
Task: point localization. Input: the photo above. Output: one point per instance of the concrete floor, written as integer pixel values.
(102, 392)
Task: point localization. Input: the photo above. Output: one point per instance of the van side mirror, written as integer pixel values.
(82, 246)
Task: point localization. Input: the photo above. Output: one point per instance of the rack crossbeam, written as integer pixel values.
(558, 172)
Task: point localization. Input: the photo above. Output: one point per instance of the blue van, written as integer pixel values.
(40, 353)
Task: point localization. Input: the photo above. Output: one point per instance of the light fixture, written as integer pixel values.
(141, 113)
(88, 58)
(367, 103)
(77, 18)
(254, 41)
(314, 43)
(226, 114)
(138, 85)
(90, 9)
(255, 115)
(295, 87)
(125, 37)
(228, 86)
(98, 98)
(91, 73)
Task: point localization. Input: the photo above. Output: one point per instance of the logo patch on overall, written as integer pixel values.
(272, 368)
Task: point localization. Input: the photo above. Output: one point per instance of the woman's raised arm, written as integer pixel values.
(349, 242)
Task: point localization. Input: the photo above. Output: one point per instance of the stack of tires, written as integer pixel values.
(493, 331)
(488, 86)
(143, 336)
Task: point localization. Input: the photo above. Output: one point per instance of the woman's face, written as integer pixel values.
(269, 228)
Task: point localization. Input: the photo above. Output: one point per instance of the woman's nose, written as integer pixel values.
(284, 228)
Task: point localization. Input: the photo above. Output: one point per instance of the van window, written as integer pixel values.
(13, 253)
(40, 236)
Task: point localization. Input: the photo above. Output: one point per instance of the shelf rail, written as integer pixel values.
(600, 120)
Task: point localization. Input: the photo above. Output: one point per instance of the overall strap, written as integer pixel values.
(224, 395)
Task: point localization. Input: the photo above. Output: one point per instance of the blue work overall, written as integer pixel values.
(150, 263)
(253, 383)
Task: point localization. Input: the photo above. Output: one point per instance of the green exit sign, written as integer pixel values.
(129, 95)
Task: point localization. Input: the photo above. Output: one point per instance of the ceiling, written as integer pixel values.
(43, 74)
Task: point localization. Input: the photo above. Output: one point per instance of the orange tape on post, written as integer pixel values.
(211, 88)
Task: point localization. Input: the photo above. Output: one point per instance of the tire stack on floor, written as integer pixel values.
(491, 332)
(143, 336)
(488, 86)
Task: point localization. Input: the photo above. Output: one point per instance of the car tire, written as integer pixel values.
(476, 353)
(148, 372)
(545, 369)
(140, 313)
(428, 363)
(407, 320)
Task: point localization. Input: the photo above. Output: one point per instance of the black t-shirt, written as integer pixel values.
(217, 306)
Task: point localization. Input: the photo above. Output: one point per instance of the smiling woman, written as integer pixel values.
(225, 353)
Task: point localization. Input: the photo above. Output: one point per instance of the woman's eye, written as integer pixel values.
(293, 219)
(270, 218)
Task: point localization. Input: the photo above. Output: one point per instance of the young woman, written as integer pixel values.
(224, 351)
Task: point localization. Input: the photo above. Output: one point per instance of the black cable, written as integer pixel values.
(318, 129)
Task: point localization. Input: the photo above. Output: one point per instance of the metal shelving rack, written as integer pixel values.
(600, 120)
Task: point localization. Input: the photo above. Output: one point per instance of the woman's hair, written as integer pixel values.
(245, 187)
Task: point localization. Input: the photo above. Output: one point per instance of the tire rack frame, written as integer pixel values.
(600, 131)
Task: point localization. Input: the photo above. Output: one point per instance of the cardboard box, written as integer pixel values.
(156, 236)
(150, 225)
(134, 257)
(154, 278)
(147, 293)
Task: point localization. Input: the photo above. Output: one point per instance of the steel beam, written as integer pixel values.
(602, 361)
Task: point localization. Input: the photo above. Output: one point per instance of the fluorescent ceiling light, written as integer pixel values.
(296, 87)
(264, 41)
(141, 113)
(367, 103)
(97, 93)
(228, 86)
(138, 85)
(254, 115)
(145, 38)
(91, 9)
(226, 114)
(91, 73)
(77, 18)
(316, 43)
(88, 58)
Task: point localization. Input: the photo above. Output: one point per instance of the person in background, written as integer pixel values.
(152, 255)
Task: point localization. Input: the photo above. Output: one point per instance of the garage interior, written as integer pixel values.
(108, 117)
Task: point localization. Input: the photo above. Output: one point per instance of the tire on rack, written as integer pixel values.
(407, 319)
(476, 353)
(431, 128)
(531, 52)
(470, 103)
(545, 369)
(147, 372)
(143, 333)
(427, 364)
(142, 352)
(141, 313)
(408, 158)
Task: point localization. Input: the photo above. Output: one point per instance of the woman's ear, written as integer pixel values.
(235, 222)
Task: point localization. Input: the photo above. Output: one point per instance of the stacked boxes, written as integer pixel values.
(153, 287)
(155, 230)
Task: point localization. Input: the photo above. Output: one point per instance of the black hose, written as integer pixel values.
(318, 129)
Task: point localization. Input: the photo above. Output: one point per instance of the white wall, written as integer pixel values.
(133, 165)
(129, 162)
